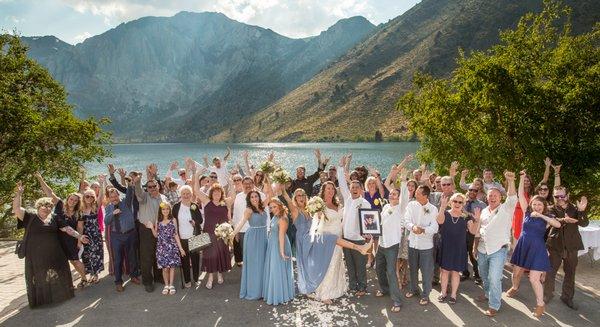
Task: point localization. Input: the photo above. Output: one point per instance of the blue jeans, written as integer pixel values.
(120, 243)
(491, 267)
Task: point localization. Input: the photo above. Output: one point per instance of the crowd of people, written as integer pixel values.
(428, 225)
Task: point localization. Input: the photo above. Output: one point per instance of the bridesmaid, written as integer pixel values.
(278, 278)
(255, 246)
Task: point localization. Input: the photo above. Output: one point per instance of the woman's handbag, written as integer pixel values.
(199, 242)
(21, 245)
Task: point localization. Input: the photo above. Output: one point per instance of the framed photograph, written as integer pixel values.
(370, 221)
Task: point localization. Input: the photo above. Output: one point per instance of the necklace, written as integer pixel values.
(455, 221)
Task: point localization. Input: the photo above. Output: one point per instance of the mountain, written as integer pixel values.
(356, 96)
(190, 76)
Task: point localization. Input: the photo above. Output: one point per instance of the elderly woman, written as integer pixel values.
(453, 225)
(47, 274)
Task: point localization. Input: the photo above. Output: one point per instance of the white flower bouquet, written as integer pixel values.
(224, 231)
(267, 167)
(315, 205)
(280, 176)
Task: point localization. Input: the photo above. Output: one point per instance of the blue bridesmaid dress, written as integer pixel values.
(255, 249)
(530, 252)
(278, 278)
(312, 258)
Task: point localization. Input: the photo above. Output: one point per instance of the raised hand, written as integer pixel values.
(464, 173)
(582, 204)
(174, 165)
(317, 153)
(477, 213)
(122, 172)
(271, 156)
(523, 173)
(453, 168)
(444, 202)
(557, 169)
(19, 187)
(547, 162)
(102, 178)
(408, 158)
(245, 154)
(343, 161)
(509, 175)
(111, 169)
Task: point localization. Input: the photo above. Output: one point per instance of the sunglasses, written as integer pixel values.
(458, 202)
(88, 196)
(237, 180)
(473, 190)
(560, 196)
(446, 184)
(213, 177)
(151, 186)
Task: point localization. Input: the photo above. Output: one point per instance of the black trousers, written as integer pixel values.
(238, 248)
(150, 272)
(191, 261)
(569, 261)
(470, 241)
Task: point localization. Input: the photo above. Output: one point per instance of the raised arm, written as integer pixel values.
(102, 181)
(557, 181)
(268, 190)
(113, 180)
(45, 188)
(510, 179)
(249, 171)
(82, 181)
(522, 201)
(227, 154)
(453, 171)
(440, 218)
(342, 179)
(140, 194)
(463, 180)
(293, 208)
(473, 224)
(404, 198)
(203, 198)
(391, 178)
(17, 210)
(547, 164)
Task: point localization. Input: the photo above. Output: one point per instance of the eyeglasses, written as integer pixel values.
(237, 180)
(458, 202)
(560, 196)
(446, 184)
(151, 186)
(473, 190)
(47, 205)
(213, 177)
(88, 196)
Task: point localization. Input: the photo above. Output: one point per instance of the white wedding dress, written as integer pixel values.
(334, 284)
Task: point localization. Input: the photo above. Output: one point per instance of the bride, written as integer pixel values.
(319, 246)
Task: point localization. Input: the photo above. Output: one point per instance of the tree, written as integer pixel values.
(535, 94)
(38, 130)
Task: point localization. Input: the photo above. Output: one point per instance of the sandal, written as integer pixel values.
(452, 300)
(360, 293)
(408, 295)
(209, 285)
(512, 292)
(424, 301)
(442, 298)
(219, 279)
(94, 279)
(327, 301)
(165, 290)
(395, 308)
(172, 290)
(379, 294)
(83, 283)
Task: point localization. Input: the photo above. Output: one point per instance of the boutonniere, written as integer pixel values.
(193, 207)
(359, 206)
(425, 210)
(390, 211)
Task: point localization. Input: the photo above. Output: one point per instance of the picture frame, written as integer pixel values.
(369, 221)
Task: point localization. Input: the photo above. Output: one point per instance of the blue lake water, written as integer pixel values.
(289, 155)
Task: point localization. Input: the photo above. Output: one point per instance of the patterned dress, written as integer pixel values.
(93, 253)
(167, 252)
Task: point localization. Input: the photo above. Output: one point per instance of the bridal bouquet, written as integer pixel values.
(267, 167)
(315, 205)
(224, 231)
(280, 176)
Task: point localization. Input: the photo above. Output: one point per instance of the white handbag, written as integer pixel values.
(199, 242)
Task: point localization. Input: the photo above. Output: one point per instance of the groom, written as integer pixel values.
(353, 200)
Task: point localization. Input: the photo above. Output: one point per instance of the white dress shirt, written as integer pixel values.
(496, 225)
(423, 216)
(351, 206)
(392, 220)
(239, 206)
(184, 216)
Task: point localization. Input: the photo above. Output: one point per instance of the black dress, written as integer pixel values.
(47, 275)
(68, 243)
(453, 254)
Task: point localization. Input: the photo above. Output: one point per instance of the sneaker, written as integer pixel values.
(149, 288)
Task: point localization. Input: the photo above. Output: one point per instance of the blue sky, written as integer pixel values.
(72, 21)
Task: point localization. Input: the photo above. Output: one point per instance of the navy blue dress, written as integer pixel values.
(530, 252)
(453, 256)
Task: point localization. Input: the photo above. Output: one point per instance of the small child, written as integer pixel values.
(168, 246)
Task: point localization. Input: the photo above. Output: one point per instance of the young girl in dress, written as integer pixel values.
(168, 246)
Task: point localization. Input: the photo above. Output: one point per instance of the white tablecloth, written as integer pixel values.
(590, 236)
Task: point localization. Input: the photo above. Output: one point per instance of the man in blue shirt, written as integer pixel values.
(123, 237)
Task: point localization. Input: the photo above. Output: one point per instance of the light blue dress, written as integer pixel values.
(312, 258)
(255, 249)
(278, 278)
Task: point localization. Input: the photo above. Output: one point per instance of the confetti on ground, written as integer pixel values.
(303, 311)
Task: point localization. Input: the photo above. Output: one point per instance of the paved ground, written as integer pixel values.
(100, 305)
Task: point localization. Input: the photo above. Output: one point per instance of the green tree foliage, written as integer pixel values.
(38, 130)
(535, 94)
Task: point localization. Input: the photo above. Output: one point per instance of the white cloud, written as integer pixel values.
(294, 18)
(81, 37)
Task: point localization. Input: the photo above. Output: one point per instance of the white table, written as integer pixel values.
(590, 236)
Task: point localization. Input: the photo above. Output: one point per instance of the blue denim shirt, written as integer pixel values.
(126, 216)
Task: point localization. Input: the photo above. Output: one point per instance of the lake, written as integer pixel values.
(289, 155)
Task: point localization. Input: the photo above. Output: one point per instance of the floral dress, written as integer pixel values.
(93, 252)
(167, 251)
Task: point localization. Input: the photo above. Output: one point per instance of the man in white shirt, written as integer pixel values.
(493, 243)
(353, 200)
(420, 220)
(220, 167)
(239, 205)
